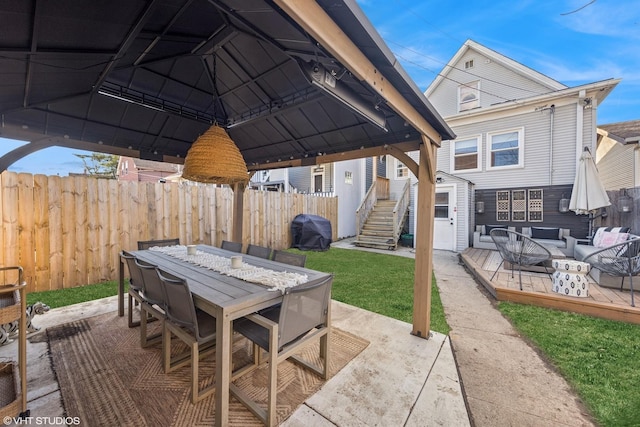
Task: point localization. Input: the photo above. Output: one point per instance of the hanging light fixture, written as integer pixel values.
(564, 204)
(215, 159)
(625, 202)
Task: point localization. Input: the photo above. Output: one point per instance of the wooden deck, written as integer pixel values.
(602, 302)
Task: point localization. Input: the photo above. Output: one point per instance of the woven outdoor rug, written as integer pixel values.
(107, 379)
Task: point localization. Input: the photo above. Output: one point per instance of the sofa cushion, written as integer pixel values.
(582, 251)
(545, 233)
(552, 242)
(485, 238)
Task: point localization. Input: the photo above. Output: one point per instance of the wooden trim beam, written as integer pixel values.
(338, 157)
(310, 16)
(405, 159)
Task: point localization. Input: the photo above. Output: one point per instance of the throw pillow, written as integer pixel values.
(545, 233)
(599, 233)
(488, 228)
(610, 238)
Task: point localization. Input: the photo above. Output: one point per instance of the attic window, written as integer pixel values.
(468, 64)
(468, 96)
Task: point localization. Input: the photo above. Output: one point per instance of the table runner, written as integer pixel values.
(276, 280)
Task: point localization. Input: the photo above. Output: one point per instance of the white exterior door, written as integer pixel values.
(444, 223)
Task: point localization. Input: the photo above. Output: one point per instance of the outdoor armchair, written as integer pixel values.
(283, 330)
(146, 244)
(135, 286)
(194, 327)
(297, 260)
(619, 260)
(518, 249)
(231, 246)
(153, 304)
(259, 251)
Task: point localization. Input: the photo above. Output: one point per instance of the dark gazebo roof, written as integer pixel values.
(146, 77)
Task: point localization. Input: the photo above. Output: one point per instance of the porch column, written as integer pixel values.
(424, 241)
(238, 201)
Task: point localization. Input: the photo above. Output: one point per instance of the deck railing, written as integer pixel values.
(400, 210)
(362, 213)
(382, 188)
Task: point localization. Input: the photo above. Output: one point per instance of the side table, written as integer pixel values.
(570, 277)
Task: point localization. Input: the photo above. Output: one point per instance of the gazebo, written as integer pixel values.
(292, 82)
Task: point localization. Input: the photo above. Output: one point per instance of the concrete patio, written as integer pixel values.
(398, 379)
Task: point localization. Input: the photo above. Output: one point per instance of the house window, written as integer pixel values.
(466, 155)
(505, 149)
(468, 64)
(469, 96)
(348, 177)
(401, 170)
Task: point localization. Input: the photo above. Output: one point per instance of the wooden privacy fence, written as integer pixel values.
(68, 231)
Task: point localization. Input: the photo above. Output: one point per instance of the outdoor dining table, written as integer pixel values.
(224, 297)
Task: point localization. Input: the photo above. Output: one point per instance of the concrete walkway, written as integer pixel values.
(505, 381)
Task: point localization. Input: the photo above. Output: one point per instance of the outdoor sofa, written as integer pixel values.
(482, 236)
(552, 236)
(602, 238)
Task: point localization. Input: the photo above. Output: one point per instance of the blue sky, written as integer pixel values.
(572, 41)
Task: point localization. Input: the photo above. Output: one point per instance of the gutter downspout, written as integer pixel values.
(552, 110)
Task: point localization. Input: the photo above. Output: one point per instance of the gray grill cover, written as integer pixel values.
(311, 232)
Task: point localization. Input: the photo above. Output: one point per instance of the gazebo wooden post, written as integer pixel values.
(238, 201)
(424, 241)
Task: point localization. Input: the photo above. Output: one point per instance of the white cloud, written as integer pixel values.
(611, 18)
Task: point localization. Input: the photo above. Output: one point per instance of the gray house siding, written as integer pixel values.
(616, 164)
(497, 84)
(545, 163)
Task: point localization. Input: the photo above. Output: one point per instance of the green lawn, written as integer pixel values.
(600, 358)
(375, 282)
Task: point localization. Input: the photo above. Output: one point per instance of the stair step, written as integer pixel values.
(381, 240)
(376, 245)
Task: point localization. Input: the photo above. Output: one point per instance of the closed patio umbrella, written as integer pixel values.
(588, 194)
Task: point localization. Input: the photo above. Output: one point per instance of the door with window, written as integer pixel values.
(444, 223)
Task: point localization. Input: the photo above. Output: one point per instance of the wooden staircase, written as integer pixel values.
(379, 220)
(378, 230)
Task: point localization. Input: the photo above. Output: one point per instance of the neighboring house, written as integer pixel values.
(618, 156)
(131, 169)
(519, 137)
(347, 180)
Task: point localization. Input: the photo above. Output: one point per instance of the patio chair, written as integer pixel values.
(259, 251)
(297, 260)
(153, 303)
(135, 286)
(231, 246)
(619, 260)
(518, 249)
(146, 244)
(283, 330)
(194, 327)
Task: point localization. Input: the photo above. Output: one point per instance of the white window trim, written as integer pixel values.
(452, 162)
(459, 101)
(395, 170)
(520, 164)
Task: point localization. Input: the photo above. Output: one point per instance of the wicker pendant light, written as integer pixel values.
(215, 159)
